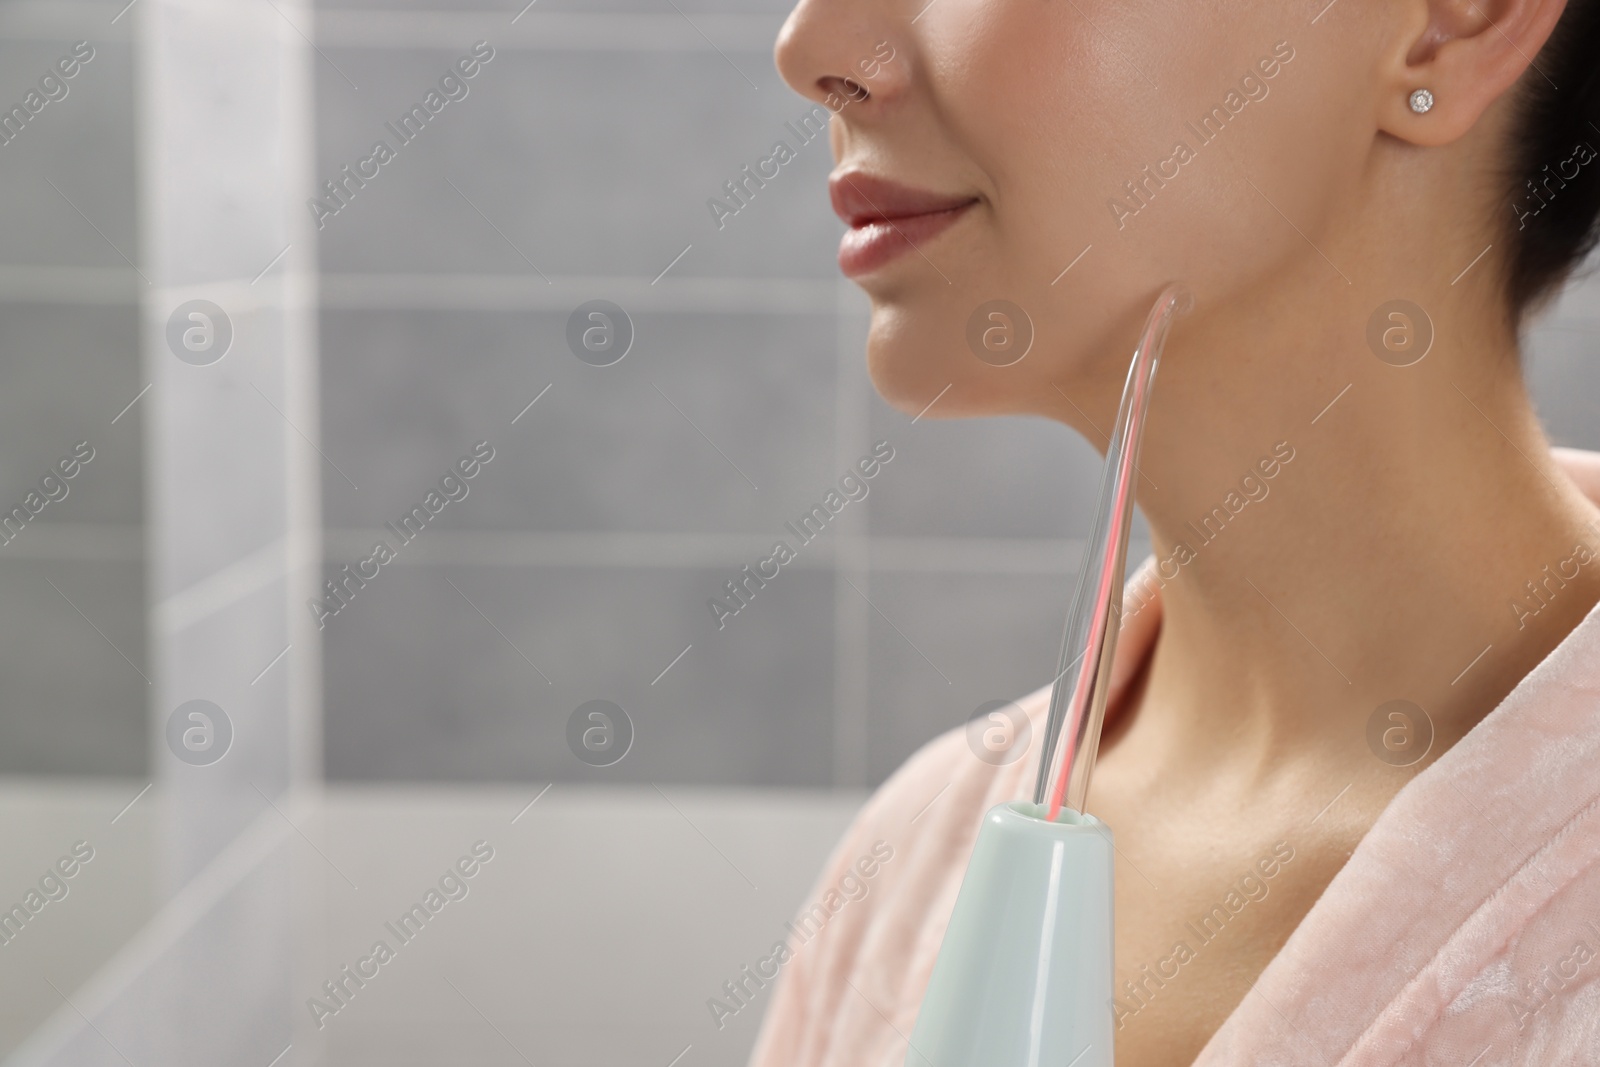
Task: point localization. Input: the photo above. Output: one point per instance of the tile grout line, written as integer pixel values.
(664, 550)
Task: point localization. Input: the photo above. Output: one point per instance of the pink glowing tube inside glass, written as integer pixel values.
(1077, 709)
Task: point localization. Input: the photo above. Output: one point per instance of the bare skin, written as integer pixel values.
(1213, 760)
(1390, 549)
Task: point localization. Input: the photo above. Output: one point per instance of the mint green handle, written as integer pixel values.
(1024, 977)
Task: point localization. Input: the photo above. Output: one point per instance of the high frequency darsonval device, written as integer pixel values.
(1024, 976)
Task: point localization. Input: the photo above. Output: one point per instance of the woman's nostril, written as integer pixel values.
(847, 87)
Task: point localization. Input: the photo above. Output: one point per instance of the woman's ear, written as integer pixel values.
(1465, 53)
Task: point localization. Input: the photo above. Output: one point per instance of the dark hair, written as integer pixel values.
(1556, 127)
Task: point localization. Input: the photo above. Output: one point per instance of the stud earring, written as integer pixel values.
(1421, 101)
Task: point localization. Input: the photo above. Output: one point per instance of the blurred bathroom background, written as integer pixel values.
(348, 761)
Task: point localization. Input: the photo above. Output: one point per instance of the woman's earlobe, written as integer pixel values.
(1472, 52)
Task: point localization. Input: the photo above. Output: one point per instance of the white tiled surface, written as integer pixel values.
(593, 938)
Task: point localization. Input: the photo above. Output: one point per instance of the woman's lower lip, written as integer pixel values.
(864, 249)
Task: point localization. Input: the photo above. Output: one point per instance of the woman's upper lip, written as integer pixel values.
(861, 199)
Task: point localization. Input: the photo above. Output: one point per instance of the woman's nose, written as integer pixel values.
(837, 51)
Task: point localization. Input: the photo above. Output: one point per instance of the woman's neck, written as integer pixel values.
(1334, 532)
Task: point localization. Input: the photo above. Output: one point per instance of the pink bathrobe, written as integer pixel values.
(1464, 930)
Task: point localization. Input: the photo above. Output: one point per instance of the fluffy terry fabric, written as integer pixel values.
(1465, 928)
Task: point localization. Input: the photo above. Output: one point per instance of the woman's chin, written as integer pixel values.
(920, 364)
(906, 360)
(931, 382)
(902, 384)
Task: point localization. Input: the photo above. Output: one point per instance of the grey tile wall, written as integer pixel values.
(949, 642)
(578, 168)
(1012, 477)
(69, 363)
(570, 163)
(82, 144)
(73, 704)
(68, 369)
(405, 394)
(420, 685)
(502, 11)
(719, 426)
(618, 504)
(1563, 370)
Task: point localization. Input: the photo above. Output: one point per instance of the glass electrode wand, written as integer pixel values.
(1076, 714)
(1028, 961)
